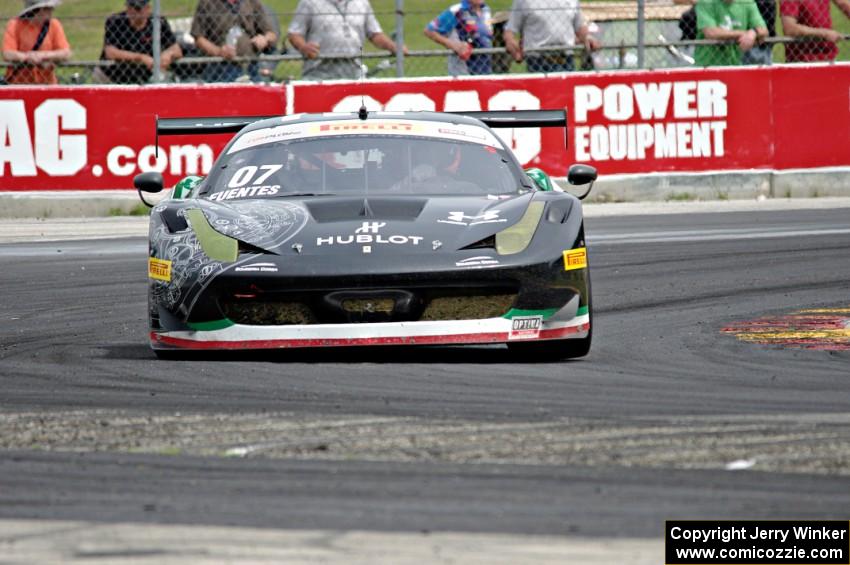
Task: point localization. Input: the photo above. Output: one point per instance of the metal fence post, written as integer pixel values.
(641, 31)
(157, 43)
(399, 38)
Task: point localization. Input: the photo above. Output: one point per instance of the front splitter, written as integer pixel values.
(461, 332)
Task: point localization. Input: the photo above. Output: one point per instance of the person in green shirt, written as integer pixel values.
(737, 20)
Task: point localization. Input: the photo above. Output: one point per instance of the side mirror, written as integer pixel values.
(582, 174)
(149, 182)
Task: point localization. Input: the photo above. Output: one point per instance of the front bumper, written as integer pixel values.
(461, 332)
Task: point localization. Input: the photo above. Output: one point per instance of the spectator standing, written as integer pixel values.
(35, 41)
(811, 18)
(727, 20)
(547, 23)
(338, 27)
(228, 29)
(760, 54)
(461, 28)
(128, 40)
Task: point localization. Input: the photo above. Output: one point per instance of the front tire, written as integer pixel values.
(553, 350)
(170, 354)
(557, 349)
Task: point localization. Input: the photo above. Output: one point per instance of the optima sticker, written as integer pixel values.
(525, 327)
(159, 269)
(575, 259)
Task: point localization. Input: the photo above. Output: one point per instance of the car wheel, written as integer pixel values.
(554, 349)
(169, 354)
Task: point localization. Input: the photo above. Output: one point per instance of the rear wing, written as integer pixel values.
(226, 124)
(494, 119)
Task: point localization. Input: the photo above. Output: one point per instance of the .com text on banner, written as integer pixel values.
(55, 138)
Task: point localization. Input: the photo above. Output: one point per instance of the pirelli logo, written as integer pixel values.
(367, 126)
(159, 269)
(575, 259)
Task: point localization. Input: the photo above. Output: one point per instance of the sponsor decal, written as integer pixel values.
(575, 259)
(525, 327)
(461, 219)
(368, 126)
(257, 268)
(368, 234)
(267, 135)
(480, 262)
(159, 269)
(370, 227)
(245, 192)
(464, 133)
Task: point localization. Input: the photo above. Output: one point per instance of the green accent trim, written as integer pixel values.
(582, 311)
(211, 326)
(540, 178)
(218, 247)
(517, 237)
(184, 188)
(514, 312)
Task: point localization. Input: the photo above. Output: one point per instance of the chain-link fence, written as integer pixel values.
(142, 41)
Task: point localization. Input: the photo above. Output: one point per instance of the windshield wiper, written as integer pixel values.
(297, 194)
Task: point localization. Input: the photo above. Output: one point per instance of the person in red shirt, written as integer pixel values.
(811, 18)
(35, 42)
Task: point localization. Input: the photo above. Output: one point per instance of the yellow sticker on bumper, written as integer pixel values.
(159, 269)
(575, 259)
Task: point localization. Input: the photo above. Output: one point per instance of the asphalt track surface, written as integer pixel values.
(646, 428)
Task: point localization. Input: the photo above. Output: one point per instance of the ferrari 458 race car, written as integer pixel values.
(368, 229)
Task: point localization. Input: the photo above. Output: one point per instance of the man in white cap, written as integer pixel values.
(35, 42)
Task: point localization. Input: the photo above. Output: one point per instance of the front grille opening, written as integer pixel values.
(368, 306)
(467, 307)
(255, 313)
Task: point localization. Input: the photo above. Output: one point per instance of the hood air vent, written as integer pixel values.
(385, 208)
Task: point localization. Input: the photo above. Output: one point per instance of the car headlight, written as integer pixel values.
(517, 237)
(217, 246)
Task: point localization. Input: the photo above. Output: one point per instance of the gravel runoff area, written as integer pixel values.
(810, 443)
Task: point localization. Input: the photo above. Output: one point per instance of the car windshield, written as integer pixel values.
(364, 164)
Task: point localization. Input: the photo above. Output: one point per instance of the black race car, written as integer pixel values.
(368, 229)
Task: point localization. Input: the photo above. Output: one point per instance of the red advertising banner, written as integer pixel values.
(779, 117)
(811, 111)
(55, 138)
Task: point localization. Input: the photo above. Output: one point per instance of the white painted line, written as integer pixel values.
(55, 541)
(719, 235)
